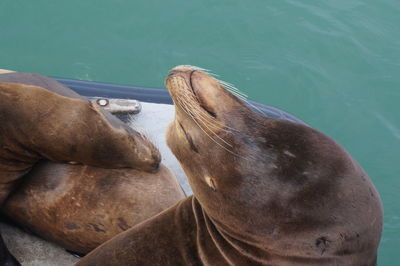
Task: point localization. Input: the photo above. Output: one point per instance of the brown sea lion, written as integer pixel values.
(266, 191)
(80, 207)
(38, 123)
(42, 119)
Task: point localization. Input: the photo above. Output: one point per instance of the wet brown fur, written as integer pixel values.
(61, 126)
(77, 206)
(80, 207)
(281, 194)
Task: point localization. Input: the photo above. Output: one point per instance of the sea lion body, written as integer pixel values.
(266, 191)
(60, 126)
(80, 207)
(77, 206)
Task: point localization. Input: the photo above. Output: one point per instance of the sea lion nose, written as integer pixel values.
(180, 69)
(173, 72)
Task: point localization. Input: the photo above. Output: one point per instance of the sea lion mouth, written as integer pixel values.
(198, 94)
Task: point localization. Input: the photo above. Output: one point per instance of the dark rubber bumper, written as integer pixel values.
(151, 95)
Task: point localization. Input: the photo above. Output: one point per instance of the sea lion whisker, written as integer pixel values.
(227, 85)
(196, 68)
(184, 98)
(203, 113)
(144, 134)
(248, 157)
(199, 112)
(200, 69)
(216, 124)
(208, 135)
(215, 134)
(231, 87)
(244, 99)
(205, 118)
(235, 91)
(207, 123)
(131, 118)
(241, 96)
(140, 130)
(188, 112)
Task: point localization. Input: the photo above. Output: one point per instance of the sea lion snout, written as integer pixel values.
(193, 86)
(145, 156)
(153, 164)
(173, 72)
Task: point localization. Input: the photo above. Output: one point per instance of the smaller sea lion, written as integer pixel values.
(38, 123)
(267, 191)
(80, 207)
(42, 119)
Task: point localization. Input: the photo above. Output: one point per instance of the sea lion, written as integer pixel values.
(57, 124)
(42, 119)
(266, 191)
(80, 207)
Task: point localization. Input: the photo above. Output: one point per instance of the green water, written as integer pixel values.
(335, 64)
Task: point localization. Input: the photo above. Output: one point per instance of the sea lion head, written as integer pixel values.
(260, 178)
(221, 144)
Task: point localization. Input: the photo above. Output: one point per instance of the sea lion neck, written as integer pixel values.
(226, 242)
(233, 236)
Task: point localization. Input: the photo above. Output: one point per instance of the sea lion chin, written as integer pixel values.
(266, 191)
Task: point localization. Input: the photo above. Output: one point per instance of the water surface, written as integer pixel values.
(334, 64)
